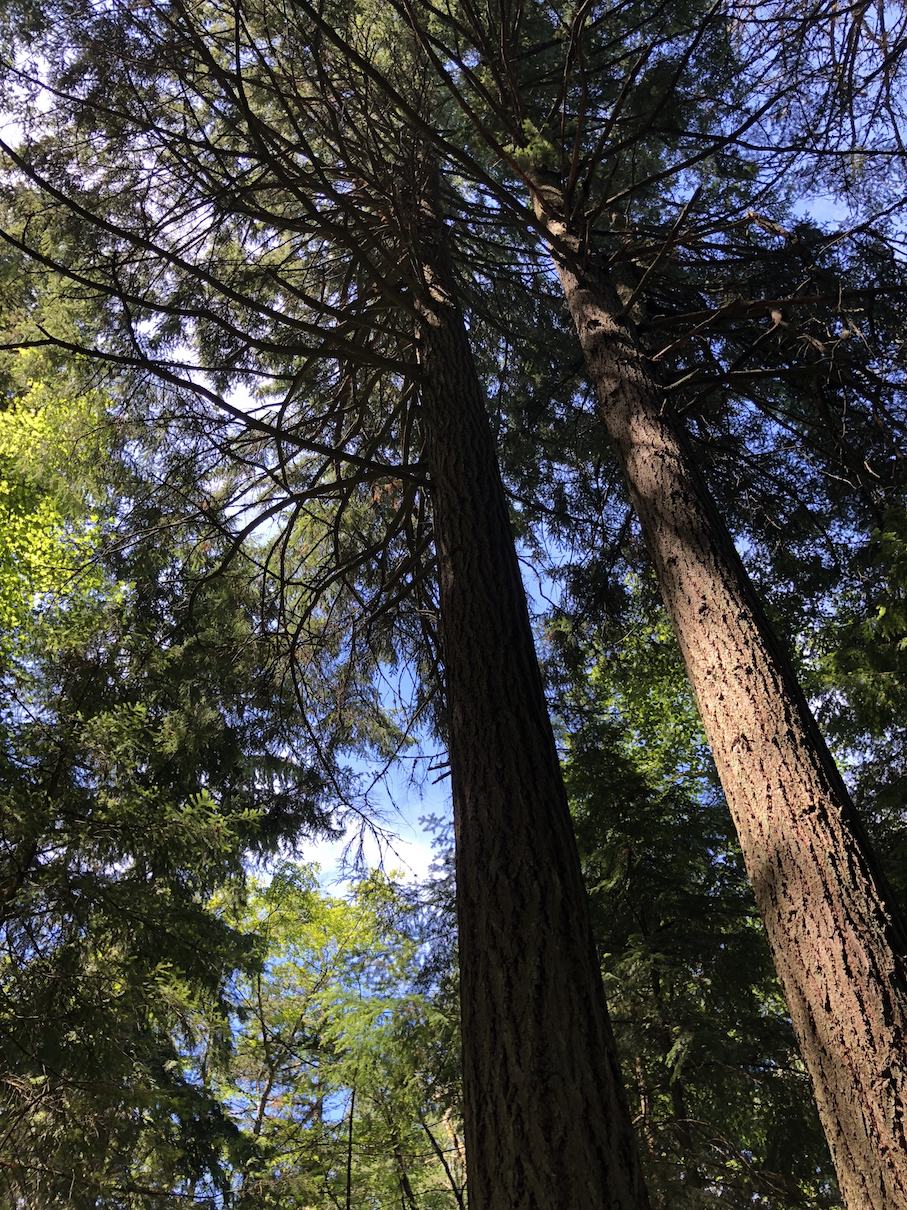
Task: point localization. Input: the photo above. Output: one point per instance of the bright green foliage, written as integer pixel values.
(44, 543)
(331, 1077)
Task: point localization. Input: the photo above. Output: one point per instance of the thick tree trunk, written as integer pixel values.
(837, 939)
(547, 1125)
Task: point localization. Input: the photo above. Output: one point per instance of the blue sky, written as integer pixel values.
(404, 848)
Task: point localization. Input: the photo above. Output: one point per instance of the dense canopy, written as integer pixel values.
(505, 396)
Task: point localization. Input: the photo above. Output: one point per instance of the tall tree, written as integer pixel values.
(344, 295)
(525, 946)
(586, 148)
(837, 936)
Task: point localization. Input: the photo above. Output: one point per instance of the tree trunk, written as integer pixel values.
(546, 1118)
(835, 933)
(349, 1150)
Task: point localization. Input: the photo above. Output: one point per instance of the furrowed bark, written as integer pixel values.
(837, 938)
(547, 1123)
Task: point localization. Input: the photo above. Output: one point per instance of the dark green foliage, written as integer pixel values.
(147, 756)
(721, 1099)
(861, 680)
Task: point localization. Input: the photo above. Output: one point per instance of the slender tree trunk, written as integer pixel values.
(836, 936)
(647, 1133)
(408, 1197)
(547, 1125)
(349, 1150)
(456, 1185)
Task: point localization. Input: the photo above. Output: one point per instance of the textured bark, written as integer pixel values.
(835, 934)
(546, 1119)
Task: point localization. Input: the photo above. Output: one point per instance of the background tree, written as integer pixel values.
(720, 1096)
(145, 758)
(332, 1072)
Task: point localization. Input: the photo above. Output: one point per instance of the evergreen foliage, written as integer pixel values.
(219, 558)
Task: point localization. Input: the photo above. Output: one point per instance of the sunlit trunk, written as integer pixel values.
(837, 939)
